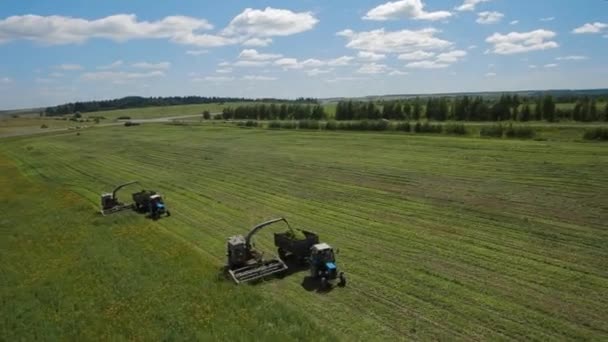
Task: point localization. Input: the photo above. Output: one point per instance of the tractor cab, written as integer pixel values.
(323, 265)
(107, 201)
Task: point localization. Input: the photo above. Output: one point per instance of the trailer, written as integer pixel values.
(290, 245)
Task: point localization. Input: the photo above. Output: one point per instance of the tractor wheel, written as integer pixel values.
(168, 213)
(324, 283)
(342, 282)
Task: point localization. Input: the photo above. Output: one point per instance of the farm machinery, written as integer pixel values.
(147, 201)
(247, 264)
(111, 204)
(143, 201)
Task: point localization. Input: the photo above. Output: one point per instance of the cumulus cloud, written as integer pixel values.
(252, 27)
(113, 65)
(416, 55)
(254, 64)
(490, 74)
(469, 5)
(550, 65)
(294, 63)
(270, 22)
(571, 58)
(590, 28)
(120, 76)
(258, 42)
(317, 71)
(373, 68)
(370, 56)
(489, 17)
(532, 66)
(424, 60)
(394, 41)
(5, 80)
(196, 52)
(254, 55)
(404, 9)
(120, 27)
(224, 70)
(397, 73)
(514, 22)
(519, 42)
(259, 78)
(69, 67)
(427, 65)
(153, 66)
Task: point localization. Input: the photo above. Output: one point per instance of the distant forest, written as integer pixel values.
(140, 102)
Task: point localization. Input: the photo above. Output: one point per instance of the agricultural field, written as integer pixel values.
(161, 111)
(26, 126)
(441, 238)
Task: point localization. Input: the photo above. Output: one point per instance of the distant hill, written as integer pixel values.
(557, 93)
(21, 112)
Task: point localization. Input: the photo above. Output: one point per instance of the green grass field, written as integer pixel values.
(441, 238)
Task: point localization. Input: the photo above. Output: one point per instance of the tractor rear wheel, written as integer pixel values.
(168, 213)
(342, 282)
(282, 254)
(324, 283)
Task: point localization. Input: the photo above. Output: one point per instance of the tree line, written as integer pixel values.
(274, 111)
(140, 102)
(467, 108)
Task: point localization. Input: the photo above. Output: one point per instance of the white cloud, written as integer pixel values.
(270, 22)
(317, 71)
(345, 79)
(5, 80)
(259, 78)
(340, 61)
(120, 27)
(153, 66)
(442, 60)
(42, 80)
(397, 73)
(490, 74)
(550, 65)
(514, 22)
(427, 65)
(224, 64)
(571, 58)
(69, 67)
(416, 55)
(113, 65)
(394, 41)
(451, 57)
(224, 71)
(532, 66)
(547, 19)
(254, 55)
(469, 5)
(258, 42)
(370, 56)
(373, 68)
(120, 76)
(489, 17)
(590, 28)
(404, 9)
(56, 74)
(253, 64)
(213, 79)
(516, 42)
(294, 63)
(471, 47)
(196, 52)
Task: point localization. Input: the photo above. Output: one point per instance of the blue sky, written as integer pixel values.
(57, 51)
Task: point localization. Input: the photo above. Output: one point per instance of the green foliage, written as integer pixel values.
(123, 118)
(427, 127)
(289, 125)
(331, 125)
(456, 129)
(44, 126)
(520, 132)
(493, 131)
(309, 124)
(403, 126)
(598, 133)
(206, 115)
(274, 124)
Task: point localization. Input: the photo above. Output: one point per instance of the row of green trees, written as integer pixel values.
(139, 102)
(465, 108)
(292, 111)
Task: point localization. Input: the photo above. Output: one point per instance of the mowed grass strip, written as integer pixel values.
(68, 273)
(441, 238)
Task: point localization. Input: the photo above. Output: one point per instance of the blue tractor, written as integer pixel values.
(323, 266)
